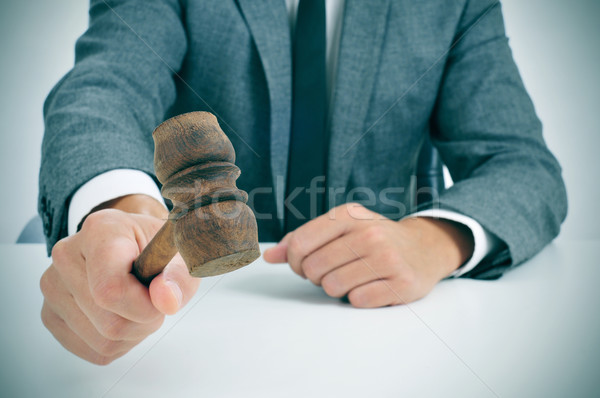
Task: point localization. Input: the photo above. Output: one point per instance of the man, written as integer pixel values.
(395, 71)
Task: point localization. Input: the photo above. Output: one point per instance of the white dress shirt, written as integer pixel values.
(121, 182)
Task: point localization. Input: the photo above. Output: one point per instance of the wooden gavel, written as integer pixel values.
(210, 224)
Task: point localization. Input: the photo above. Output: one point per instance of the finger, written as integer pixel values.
(335, 254)
(111, 283)
(81, 326)
(341, 280)
(324, 229)
(112, 335)
(71, 341)
(72, 270)
(311, 236)
(68, 271)
(278, 253)
(172, 289)
(379, 293)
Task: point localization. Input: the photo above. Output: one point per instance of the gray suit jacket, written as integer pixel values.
(406, 69)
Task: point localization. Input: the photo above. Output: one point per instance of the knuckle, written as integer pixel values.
(59, 251)
(357, 211)
(109, 348)
(358, 299)
(296, 254)
(296, 245)
(331, 214)
(310, 269)
(64, 256)
(391, 257)
(47, 318)
(102, 360)
(114, 329)
(346, 210)
(108, 292)
(408, 279)
(374, 234)
(100, 220)
(331, 286)
(93, 221)
(46, 285)
(51, 285)
(339, 212)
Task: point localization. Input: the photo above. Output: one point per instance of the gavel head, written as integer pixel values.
(215, 231)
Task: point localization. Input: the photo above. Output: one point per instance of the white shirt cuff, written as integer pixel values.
(484, 242)
(107, 186)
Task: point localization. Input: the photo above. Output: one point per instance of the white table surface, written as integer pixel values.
(264, 332)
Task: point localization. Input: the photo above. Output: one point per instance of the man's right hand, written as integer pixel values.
(93, 305)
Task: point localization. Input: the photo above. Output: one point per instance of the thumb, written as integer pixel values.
(278, 254)
(173, 288)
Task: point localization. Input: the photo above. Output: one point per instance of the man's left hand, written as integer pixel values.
(375, 261)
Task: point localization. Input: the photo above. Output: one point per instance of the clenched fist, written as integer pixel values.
(375, 261)
(93, 305)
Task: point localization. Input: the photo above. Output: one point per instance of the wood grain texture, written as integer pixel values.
(210, 224)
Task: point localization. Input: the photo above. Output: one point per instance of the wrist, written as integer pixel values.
(451, 243)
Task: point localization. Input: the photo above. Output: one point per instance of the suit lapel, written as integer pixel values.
(268, 23)
(362, 36)
(363, 29)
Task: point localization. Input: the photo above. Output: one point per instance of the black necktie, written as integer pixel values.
(306, 166)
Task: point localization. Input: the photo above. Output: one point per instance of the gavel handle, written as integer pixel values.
(156, 255)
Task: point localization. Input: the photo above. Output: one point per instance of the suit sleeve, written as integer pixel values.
(101, 115)
(487, 132)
